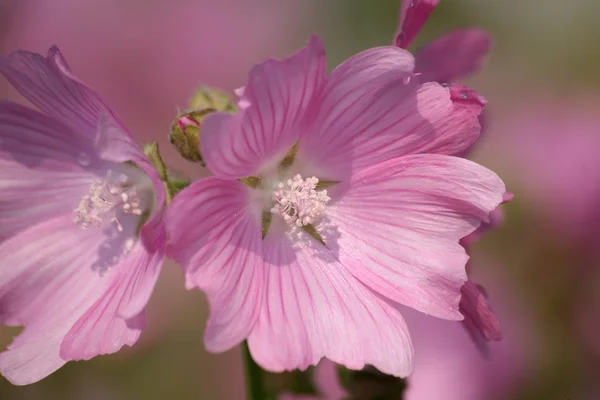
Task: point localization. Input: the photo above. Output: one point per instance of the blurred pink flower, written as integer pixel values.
(325, 278)
(448, 367)
(78, 269)
(553, 154)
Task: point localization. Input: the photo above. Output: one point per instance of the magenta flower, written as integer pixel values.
(304, 272)
(81, 228)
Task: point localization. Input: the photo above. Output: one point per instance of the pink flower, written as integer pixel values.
(81, 228)
(303, 273)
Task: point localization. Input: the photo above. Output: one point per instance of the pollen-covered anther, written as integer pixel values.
(103, 202)
(298, 201)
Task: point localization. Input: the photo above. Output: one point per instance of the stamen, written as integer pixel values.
(298, 202)
(104, 199)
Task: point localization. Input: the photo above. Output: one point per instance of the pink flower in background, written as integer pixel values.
(302, 272)
(562, 176)
(449, 367)
(81, 227)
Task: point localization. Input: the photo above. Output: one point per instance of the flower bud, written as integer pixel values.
(185, 132)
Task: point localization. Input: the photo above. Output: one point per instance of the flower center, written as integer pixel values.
(105, 201)
(298, 201)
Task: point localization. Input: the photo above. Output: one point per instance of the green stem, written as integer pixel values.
(254, 376)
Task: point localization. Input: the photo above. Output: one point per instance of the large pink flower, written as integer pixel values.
(82, 235)
(325, 275)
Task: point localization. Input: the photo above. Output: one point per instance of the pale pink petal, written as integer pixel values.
(480, 320)
(141, 268)
(44, 169)
(453, 56)
(215, 234)
(48, 83)
(368, 113)
(413, 15)
(467, 102)
(313, 308)
(266, 127)
(51, 282)
(400, 223)
(100, 330)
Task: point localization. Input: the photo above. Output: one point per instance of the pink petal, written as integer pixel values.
(368, 113)
(50, 284)
(100, 330)
(266, 127)
(413, 15)
(467, 102)
(48, 83)
(313, 308)
(480, 320)
(453, 56)
(44, 169)
(141, 268)
(400, 223)
(64, 289)
(216, 237)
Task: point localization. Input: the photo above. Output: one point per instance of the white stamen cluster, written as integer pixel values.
(104, 199)
(298, 201)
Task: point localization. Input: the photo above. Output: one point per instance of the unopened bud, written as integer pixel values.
(185, 132)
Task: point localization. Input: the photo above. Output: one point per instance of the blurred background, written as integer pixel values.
(541, 268)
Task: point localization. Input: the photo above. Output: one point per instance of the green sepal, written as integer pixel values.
(205, 97)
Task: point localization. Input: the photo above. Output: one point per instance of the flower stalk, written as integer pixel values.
(255, 384)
